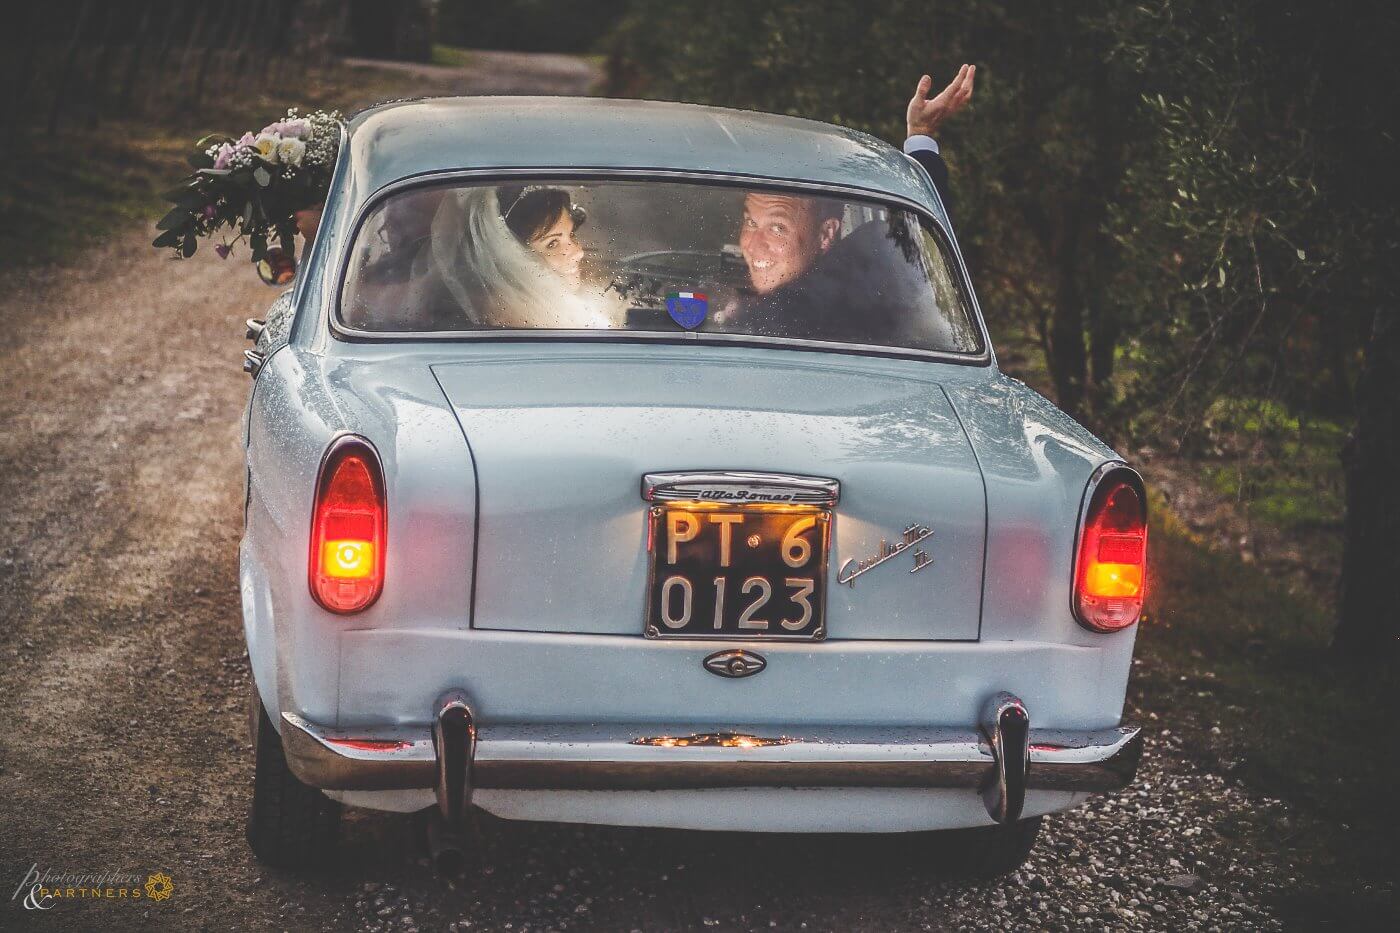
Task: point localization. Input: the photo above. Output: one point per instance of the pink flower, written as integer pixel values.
(298, 128)
(208, 212)
(223, 249)
(247, 139)
(225, 153)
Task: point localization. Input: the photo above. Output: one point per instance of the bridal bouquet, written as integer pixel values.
(253, 187)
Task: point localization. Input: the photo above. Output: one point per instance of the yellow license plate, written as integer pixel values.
(737, 571)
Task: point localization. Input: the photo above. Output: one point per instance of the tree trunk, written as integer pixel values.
(134, 60)
(27, 38)
(216, 39)
(191, 42)
(249, 42)
(97, 88)
(70, 59)
(234, 51)
(1369, 626)
(162, 74)
(1110, 126)
(1068, 357)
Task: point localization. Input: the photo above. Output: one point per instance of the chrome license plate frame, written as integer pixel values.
(789, 562)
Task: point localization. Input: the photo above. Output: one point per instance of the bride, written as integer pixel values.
(520, 267)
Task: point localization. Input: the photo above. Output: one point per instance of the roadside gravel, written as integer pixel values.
(1175, 852)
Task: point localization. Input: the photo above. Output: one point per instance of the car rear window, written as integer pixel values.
(656, 257)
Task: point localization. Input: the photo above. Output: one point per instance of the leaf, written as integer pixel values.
(167, 239)
(1302, 256)
(177, 217)
(262, 176)
(1221, 270)
(180, 191)
(191, 198)
(200, 159)
(191, 244)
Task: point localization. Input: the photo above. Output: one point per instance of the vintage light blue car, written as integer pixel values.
(649, 464)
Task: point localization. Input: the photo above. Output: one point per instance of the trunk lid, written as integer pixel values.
(560, 446)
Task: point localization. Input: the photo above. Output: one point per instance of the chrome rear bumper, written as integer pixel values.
(1002, 759)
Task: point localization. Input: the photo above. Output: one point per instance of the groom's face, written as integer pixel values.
(781, 236)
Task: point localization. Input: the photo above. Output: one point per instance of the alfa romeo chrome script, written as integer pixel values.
(740, 486)
(912, 536)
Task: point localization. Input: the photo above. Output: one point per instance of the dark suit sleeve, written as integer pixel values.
(937, 170)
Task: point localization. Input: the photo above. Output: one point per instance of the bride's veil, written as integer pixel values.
(497, 281)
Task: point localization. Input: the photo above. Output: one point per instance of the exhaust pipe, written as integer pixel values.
(447, 846)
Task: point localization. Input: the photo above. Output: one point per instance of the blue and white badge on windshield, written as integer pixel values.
(688, 309)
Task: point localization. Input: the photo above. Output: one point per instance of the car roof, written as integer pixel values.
(399, 140)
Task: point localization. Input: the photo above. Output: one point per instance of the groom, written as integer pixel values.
(784, 238)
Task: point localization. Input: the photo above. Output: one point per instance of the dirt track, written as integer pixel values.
(123, 677)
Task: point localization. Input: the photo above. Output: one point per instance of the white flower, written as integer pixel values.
(266, 145)
(291, 151)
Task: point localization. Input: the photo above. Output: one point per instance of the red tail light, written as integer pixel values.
(348, 528)
(1110, 577)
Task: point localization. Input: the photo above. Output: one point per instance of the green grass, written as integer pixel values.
(60, 194)
(54, 201)
(451, 56)
(1299, 483)
(1226, 646)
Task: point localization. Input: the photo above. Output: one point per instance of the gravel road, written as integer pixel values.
(123, 677)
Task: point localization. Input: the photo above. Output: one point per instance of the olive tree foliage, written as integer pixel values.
(1266, 248)
(1055, 122)
(1184, 203)
(1230, 250)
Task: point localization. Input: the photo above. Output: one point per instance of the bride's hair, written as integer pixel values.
(495, 278)
(531, 211)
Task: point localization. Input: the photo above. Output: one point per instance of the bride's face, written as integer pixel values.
(560, 251)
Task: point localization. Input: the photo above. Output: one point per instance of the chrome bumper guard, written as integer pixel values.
(1003, 759)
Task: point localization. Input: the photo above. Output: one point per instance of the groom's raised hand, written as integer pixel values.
(926, 115)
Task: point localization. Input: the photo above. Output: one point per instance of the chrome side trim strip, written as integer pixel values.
(608, 757)
(738, 486)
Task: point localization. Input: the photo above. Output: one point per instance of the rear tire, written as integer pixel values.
(986, 851)
(290, 824)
